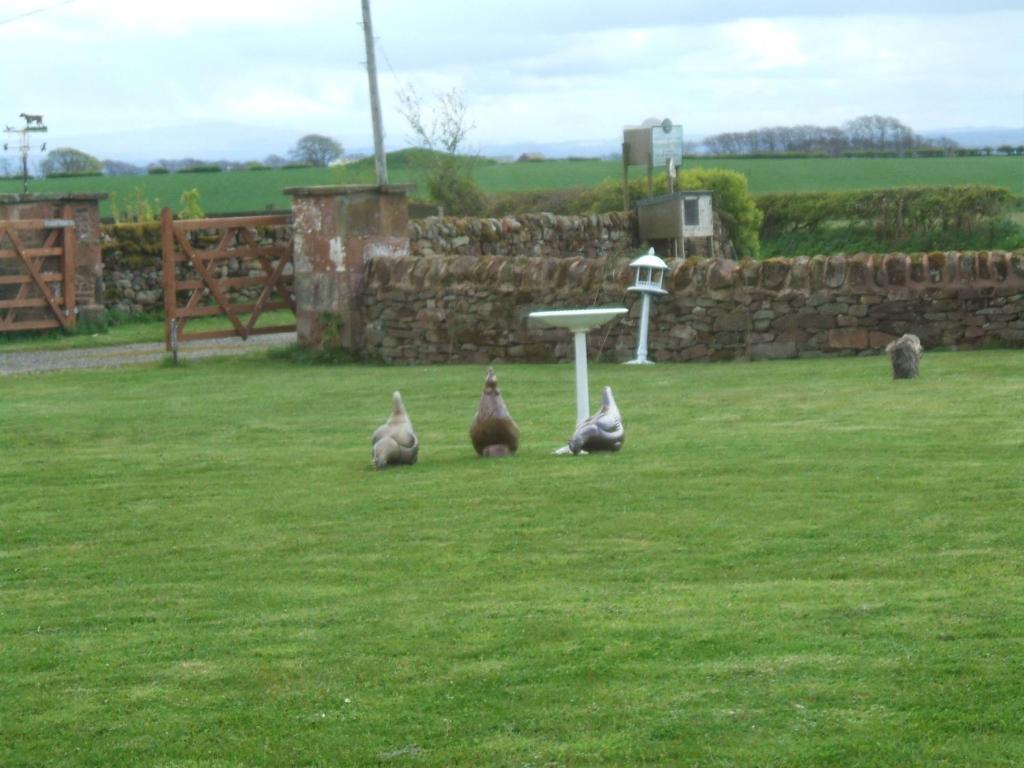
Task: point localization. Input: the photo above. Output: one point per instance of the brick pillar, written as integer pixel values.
(86, 213)
(336, 229)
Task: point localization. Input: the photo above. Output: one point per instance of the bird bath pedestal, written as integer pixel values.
(579, 321)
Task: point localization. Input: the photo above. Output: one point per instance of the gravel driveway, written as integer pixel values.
(132, 354)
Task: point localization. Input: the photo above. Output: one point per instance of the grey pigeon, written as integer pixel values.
(395, 442)
(601, 432)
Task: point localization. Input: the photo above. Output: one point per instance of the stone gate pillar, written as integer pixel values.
(86, 214)
(336, 229)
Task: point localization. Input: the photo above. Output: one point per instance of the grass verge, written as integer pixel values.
(120, 329)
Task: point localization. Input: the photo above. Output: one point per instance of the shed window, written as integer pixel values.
(691, 212)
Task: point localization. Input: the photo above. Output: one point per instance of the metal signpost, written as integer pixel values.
(655, 143)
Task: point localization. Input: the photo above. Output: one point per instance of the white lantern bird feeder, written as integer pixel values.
(648, 276)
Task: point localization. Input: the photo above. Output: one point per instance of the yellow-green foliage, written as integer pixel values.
(190, 205)
(135, 208)
(734, 203)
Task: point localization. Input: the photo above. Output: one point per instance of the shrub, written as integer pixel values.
(732, 201)
(136, 208)
(190, 205)
(156, 170)
(455, 190)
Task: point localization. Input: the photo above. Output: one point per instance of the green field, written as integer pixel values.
(795, 563)
(238, 191)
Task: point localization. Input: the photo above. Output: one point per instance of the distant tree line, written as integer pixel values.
(865, 135)
(312, 150)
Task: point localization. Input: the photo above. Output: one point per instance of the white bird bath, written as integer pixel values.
(579, 321)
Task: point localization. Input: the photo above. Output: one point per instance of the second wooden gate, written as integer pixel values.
(245, 271)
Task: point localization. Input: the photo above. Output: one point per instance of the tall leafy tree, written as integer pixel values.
(67, 160)
(316, 149)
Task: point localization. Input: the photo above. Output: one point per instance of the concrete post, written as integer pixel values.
(89, 267)
(336, 229)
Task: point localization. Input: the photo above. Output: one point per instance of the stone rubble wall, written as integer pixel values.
(470, 308)
(134, 288)
(528, 235)
(544, 235)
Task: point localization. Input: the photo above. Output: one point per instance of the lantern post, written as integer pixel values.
(648, 277)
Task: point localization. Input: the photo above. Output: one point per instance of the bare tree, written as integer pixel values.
(443, 130)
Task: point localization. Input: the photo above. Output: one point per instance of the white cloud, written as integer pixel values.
(763, 44)
(532, 70)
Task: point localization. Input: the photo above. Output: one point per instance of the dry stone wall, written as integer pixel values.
(464, 291)
(474, 308)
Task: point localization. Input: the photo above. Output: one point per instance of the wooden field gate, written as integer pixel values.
(37, 273)
(238, 267)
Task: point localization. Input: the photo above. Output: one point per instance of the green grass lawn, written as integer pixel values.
(130, 329)
(794, 563)
(238, 191)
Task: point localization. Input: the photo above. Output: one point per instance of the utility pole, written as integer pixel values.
(380, 159)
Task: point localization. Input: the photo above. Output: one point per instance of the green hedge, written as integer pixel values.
(892, 213)
(73, 174)
(201, 168)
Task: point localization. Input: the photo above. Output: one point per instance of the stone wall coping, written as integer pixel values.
(47, 197)
(340, 190)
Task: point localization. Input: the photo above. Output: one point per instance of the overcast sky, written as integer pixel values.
(547, 70)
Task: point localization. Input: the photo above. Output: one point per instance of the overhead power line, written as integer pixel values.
(34, 12)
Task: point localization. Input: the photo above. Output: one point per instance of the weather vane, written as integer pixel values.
(33, 124)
